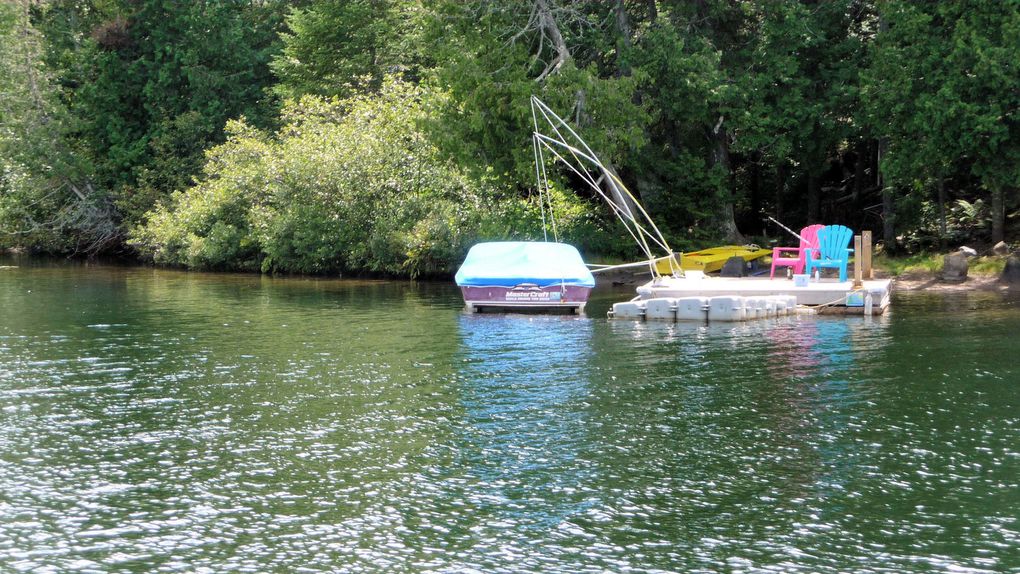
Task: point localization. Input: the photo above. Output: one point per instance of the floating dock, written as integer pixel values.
(669, 297)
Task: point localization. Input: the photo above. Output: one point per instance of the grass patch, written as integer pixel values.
(918, 262)
(932, 263)
(992, 265)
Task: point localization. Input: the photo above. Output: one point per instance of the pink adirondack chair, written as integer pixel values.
(794, 256)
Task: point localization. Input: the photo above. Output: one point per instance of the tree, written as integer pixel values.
(941, 90)
(338, 47)
(153, 84)
(683, 177)
(986, 109)
(492, 57)
(47, 201)
(711, 110)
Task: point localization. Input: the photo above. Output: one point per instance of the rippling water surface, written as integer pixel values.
(158, 421)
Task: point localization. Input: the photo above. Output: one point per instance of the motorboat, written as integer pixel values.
(524, 275)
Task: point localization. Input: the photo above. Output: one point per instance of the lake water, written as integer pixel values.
(162, 421)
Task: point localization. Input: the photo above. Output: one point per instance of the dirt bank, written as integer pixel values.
(919, 281)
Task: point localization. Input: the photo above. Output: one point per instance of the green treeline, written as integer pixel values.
(327, 136)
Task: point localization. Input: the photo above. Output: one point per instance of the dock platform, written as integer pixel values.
(828, 292)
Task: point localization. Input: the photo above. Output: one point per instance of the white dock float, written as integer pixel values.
(663, 309)
(692, 309)
(742, 299)
(629, 310)
(758, 308)
(829, 292)
(727, 308)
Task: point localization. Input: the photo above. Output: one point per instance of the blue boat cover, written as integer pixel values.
(510, 263)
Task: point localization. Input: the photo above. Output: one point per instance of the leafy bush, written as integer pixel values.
(210, 225)
(343, 186)
(965, 222)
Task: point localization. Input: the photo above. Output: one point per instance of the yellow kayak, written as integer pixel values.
(711, 259)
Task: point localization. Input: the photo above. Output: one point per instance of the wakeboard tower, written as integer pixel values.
(549, 275)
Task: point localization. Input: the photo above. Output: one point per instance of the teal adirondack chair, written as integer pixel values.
(832, 250)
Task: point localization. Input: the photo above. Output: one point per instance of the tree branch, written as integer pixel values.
(549, 28)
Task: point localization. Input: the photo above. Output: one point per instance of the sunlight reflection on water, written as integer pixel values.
(168, 422)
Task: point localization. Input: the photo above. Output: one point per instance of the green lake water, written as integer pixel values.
(162, 421)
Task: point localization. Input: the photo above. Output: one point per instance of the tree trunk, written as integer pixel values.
(860, 169)
(548, 26)
(888, 204)
(998, 213)
(610, 178)
(943, 230)
(623, 48)
(780, 188)
(721, 157)
(888, 219)
(621, 197)
(756, 187)
(653, 11)
(813, 199)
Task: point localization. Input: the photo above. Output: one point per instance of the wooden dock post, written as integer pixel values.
(858, 262)
(866, 255)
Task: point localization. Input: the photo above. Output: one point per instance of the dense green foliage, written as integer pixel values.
(342, 185)
(206, 134)
(945, 89)
(336, 47)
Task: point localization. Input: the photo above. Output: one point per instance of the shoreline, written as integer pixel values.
(911, 281)
(906, 282)
(927, 282)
